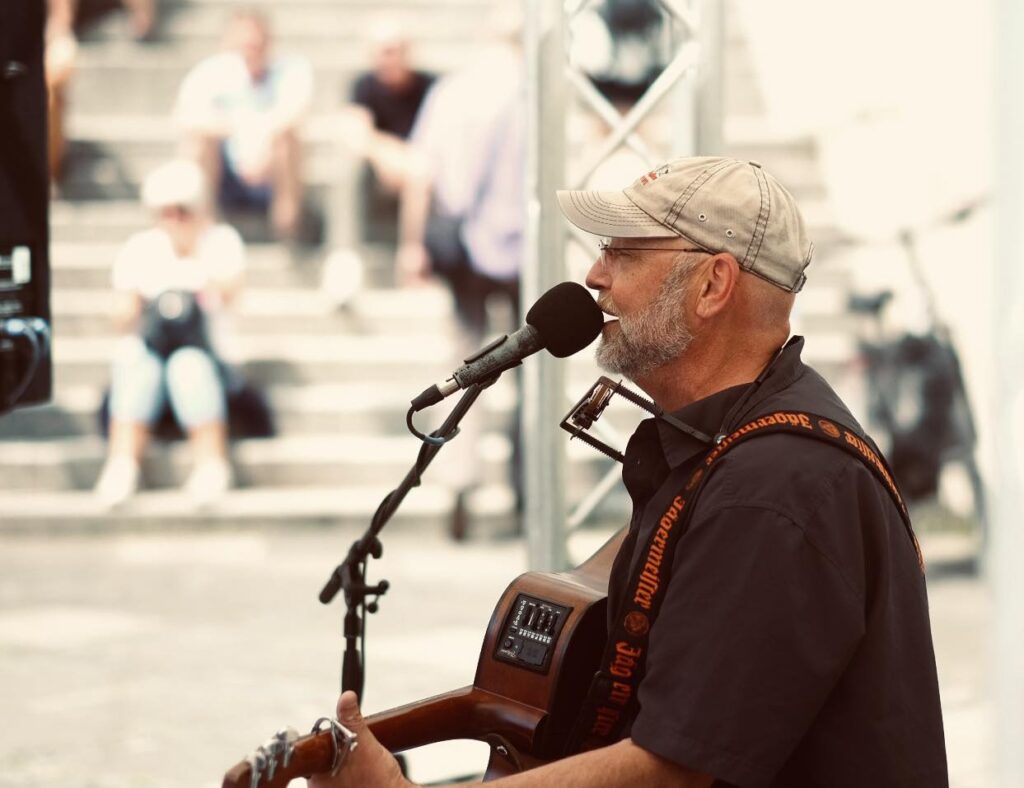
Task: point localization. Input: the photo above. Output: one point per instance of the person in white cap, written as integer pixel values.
(767, 610)
(173, 283)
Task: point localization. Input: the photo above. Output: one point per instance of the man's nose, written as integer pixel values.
(597, 276)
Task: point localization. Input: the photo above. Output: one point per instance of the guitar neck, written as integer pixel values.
(466, 713)
(460, 714)
(308, 755)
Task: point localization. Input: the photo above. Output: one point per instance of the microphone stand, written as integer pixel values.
(350, 574)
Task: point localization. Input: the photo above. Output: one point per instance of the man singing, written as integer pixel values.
(792, 646)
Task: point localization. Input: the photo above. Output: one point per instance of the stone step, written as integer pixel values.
(299, 26)
(88, 235)
(413, 359)
(116, 171)
(113, 220)
(302, 311)
(288, 358)
(332, 88)
(334, 37)
(343, 459)
(315, 28)
(121, 150)
(77, 511)
(410, 361)
(296, 310)
(379, 402)
(304, 18)
(429, 506)
(326, 408)
(115, 188)
(84, 265)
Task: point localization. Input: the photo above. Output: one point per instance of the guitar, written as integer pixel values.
(540, 652)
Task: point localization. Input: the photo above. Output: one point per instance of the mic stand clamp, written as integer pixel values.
(350, 574)
(358, 597)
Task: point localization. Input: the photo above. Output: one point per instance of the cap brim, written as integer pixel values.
(611, 214)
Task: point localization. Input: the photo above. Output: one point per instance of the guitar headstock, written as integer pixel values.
(286, 756)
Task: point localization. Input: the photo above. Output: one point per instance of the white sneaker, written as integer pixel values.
(209, 480)
(118, 482)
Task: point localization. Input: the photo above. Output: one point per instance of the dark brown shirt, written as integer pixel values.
(793, 647)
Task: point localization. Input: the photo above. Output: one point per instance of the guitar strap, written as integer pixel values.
(613, 690)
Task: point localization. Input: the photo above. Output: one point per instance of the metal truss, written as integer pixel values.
(692, 77)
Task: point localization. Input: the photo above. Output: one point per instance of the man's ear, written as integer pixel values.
(717, 284)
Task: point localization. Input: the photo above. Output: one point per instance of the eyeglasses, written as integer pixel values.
(608, 253)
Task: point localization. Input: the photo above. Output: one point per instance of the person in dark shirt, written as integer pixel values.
(393, 91)
(377, 123)
(792, 647)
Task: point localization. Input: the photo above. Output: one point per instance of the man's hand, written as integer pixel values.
(369, 764)
(620, 765)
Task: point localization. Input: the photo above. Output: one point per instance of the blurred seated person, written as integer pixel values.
(173, 283)
(386, 100)
(241, 111)
(59, 60)
(59, 64)
(141, 13)
(377, 124)
(141, 17)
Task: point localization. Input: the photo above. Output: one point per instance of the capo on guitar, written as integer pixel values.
(279, 751)
(343, 739)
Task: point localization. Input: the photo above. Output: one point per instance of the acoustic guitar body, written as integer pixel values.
(541, 650)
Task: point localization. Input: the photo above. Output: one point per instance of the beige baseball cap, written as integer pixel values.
(721, 205)
(178, 182)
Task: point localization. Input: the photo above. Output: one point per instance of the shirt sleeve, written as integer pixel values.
(756, 628)
(126, 274)
(293, 93)
(422, 134)
(361, 92)
(197, 108)
(226, 254)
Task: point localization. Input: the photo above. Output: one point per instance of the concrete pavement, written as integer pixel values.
(158, 660)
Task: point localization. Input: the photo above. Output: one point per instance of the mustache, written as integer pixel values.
(607, 305)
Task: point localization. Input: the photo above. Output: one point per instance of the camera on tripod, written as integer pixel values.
(25, 358)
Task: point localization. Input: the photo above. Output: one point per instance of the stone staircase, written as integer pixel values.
(339, 380)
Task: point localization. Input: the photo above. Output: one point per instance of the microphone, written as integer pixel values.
(564, 320)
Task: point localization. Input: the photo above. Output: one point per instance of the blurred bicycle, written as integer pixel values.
(918, 407)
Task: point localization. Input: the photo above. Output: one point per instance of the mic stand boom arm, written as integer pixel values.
(350, 575)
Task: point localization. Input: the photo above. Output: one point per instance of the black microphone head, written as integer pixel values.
(567, 318)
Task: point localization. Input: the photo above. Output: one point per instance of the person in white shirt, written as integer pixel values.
(241, 112)
(173, 283)
(463, 216)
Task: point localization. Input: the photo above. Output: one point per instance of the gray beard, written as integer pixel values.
(650, 338)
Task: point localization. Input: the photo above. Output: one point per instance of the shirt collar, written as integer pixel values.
(706, 415)
(724, 410)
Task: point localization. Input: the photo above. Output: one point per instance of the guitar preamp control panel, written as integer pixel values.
(531, 632)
